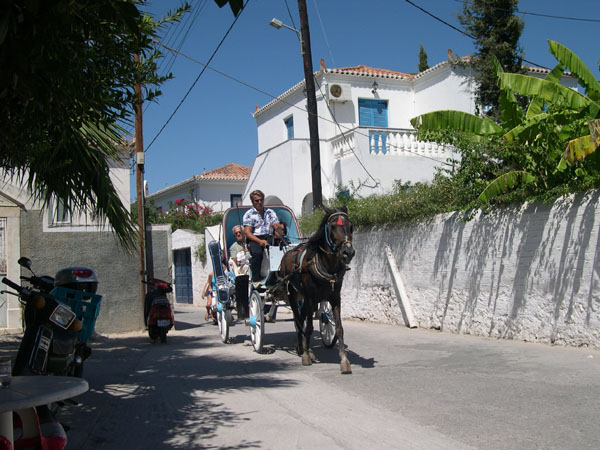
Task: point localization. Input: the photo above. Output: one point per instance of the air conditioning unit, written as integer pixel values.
(338, 92)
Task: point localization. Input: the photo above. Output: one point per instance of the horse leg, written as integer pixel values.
(298, 323)
(345, 367)
(305, 338)
(308, 331)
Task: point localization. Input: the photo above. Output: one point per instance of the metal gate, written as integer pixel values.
(183, 275)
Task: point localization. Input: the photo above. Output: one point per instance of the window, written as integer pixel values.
(289, 126)
(236, 199)
(61, 213)
(373, 113)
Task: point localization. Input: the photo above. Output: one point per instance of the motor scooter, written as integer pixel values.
(45, 315)
(74, 287)
(158, 313)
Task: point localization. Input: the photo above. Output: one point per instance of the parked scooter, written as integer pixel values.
(74, 289)
(57, 322)
(158, 313)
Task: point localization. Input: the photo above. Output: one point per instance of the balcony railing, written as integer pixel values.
(385, 141)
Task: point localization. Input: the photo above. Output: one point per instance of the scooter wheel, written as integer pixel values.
(78, 370)
(163, 336)
(153, 333)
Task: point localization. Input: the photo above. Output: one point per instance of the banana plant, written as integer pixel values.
(581, 108)
(552, 106)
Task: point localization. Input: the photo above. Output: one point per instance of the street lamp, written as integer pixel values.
(374, 87)
(276, 23)
(311, 100)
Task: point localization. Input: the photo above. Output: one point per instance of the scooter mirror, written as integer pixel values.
(25, 262)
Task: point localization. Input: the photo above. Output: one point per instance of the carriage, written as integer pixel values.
(281, 285)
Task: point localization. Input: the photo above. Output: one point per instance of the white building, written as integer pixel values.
(219, 189)
(366, 139)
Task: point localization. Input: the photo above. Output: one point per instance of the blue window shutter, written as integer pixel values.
(372, 113)
(365, 114)
(289, 125)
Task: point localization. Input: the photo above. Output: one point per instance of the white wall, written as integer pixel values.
(271, 127)
(292, 158)
(385, 168)
(445, 88)
(213, 193)
(181, 239)
(529, 273)
(11, 310)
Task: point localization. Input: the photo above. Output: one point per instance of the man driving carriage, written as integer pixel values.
(259, 226)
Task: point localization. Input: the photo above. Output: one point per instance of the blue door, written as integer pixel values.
(182, 259)
(373, 113)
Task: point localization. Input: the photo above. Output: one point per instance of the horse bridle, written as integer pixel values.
(333, 246)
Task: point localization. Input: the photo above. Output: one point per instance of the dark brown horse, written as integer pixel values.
(314, 272)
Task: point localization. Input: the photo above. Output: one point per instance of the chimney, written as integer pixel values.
(323, 64)
(450, 56)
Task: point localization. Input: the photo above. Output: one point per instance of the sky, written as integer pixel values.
(213, 125)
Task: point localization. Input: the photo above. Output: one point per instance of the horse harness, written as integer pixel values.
(314, 264)
(340, 222)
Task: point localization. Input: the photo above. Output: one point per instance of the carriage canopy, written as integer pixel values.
(234, 216)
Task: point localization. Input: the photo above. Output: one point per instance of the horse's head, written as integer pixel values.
(338, 233)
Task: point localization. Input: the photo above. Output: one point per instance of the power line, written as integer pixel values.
(199, 75)
(582, 19)
(188, 27)
(461, 31)
(346, 139)
(163, 68)
(274, 97)
(324, 34)
(377, 183)
(290, 15)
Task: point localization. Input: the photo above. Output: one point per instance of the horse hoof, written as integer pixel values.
(313, 358)
(306, 359)
(345, 368)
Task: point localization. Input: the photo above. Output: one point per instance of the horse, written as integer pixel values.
(313, 272)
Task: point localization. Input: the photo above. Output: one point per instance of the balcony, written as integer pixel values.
(385, 142)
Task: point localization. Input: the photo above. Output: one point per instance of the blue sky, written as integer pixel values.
(214, 125)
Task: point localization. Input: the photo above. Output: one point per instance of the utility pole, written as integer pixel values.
(311, 107)
(139, 184)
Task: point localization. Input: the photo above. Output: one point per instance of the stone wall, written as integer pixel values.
(529, 273)
(117, 270)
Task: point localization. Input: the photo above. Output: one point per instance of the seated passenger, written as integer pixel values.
(239, 265)
(259, 224)
(238, 253)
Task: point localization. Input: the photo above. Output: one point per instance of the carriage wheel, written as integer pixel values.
(257, 321)
(224, 320)
(327, 325)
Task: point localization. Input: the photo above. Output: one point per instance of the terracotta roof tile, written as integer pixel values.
(372, 71)
(231, 171)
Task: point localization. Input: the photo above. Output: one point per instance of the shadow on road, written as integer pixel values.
(286, 342)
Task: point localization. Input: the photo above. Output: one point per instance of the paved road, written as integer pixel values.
(410, 389)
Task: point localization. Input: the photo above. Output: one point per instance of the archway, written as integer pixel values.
(307, 204)
(271, 200)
